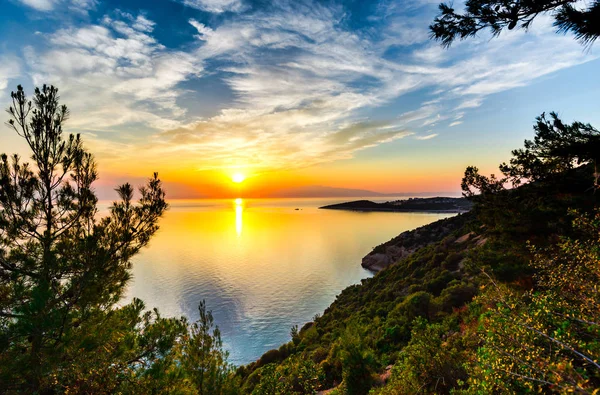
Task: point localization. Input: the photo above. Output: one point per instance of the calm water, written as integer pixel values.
(261, 265)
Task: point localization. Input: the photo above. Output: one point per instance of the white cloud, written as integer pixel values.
(203, 31)
(10, 69)
(115, 74)
(470, 103)
(143, 24)
(302, 84)
(426, 137)
(296, 74)
(433, 53)
(40, 5)
(51, 5)
(216, 6)
(455, 123)
(424, 112)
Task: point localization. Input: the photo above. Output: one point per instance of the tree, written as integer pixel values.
(547, 339)
(63, 269)
(569, 16)
(202, 357)
(358, 362)
(555, 149)
(555, 171)
(432, 362)
(295, 375)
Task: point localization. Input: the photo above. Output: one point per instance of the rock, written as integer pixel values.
(393, 253)
(481, 242)
(375, 262)
(464, 238)
(407, 243)
(387, 374)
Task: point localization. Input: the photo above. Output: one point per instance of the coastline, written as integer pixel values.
(397, 210)
(409, 242)
(446, 205)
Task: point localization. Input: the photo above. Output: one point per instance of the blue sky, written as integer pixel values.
(325, 92)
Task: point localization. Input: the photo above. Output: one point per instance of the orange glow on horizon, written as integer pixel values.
(190, 183)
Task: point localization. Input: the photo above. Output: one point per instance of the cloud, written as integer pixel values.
(425, 111)
(40, 5)
(204, 31)
(273, 141)
(216, 6)
(426, 137)
(470, 103)
(114, 74)
(299, 79)
(10, 69)
(433, 53)
(51, 5)
(301, 84)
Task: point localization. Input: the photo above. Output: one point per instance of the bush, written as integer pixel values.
(430, 363)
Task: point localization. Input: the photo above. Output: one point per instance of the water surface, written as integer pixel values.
(261, 265)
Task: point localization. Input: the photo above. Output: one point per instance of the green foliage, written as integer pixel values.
(497, 15)
(432, 362)
(556, 149)
(295, 335)
(555, 171)
(368, 325)
(358, 362)
(202, 359)
(547, 338)
(295, 376)
(63, 270)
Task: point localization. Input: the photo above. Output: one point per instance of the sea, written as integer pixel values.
(261, 265)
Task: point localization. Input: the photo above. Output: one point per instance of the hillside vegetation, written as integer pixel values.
(410, 241)
(506, 301)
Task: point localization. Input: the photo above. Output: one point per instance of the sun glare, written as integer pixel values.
(238, 177)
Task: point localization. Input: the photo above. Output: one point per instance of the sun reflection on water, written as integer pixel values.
(239, 209)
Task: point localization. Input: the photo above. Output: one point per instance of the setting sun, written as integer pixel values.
(238, 177)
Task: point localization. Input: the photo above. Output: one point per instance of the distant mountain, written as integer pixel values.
(322, 191)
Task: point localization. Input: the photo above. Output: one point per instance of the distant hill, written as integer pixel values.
(323, 191)
(435, 204)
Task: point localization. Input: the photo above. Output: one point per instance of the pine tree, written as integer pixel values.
(62, 268)
(497, 15)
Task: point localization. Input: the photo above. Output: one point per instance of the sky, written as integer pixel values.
(290, 94)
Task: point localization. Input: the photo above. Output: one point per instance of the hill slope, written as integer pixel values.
(420, 303)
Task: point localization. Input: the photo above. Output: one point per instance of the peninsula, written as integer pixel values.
(434, 204)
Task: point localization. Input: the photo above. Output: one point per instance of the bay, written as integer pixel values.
(261, 265)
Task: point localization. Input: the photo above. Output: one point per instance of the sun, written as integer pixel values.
(238, 177)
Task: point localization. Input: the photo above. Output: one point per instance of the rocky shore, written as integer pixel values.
(409, 242)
